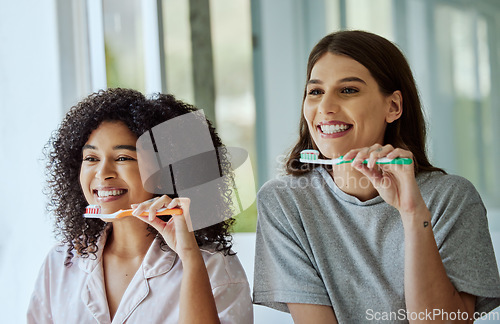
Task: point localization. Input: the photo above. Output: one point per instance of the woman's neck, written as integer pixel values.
(353, 182)
(129, 238)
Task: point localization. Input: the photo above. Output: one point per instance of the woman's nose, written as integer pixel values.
(106, 170)
(328, 104)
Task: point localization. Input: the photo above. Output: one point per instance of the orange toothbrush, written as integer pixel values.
(94, 211)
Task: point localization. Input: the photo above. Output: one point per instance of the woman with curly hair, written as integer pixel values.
(132, 269)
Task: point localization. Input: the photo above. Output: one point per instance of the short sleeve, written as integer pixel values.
(233, 303)
(230, 287)
(285, 271)
(464, 243)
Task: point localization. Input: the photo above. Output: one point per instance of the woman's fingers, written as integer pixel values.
(373, 174)
(176, 231)
(377, 152)
(151, 206)
(157, 204)
(372, 153)
(400, 153)
(156, 223)
(353, 153)
(360, 155)
(181, 202)
(378, 174)
(184, 204)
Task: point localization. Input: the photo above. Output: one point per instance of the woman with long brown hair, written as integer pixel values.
(363, 241)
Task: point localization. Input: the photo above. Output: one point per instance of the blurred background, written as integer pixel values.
(243, 62)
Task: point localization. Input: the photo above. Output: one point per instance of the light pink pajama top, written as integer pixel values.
(76, 294)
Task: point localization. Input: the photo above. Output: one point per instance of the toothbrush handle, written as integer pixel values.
(159, 212)
(318, 161)
(400, 161)
(92, 216)
(341, 160)
(165, 211)
(128, 212)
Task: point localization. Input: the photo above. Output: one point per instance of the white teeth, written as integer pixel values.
(330, 129)
(107, 193)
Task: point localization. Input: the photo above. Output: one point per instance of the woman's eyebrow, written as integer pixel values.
(88, 147)
(347, 79)
(117, 147)
(314, 81)
(125, 147)
(351, 79)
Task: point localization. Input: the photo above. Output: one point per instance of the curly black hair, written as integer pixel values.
(63, 151)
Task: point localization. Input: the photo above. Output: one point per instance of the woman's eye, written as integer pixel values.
(125, 158)
(90, 159)
(349, 90)
(315, 92)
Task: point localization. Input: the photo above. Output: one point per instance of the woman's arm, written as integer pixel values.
(309, 313)
(197, 304)
(427, 286)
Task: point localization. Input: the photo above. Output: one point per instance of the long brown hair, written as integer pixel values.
(389, 68)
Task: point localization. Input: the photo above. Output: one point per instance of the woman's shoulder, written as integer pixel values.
(63, 258)
(55, 261)
(439, 179)
(447, 185)
(223, 269)
(58, 254)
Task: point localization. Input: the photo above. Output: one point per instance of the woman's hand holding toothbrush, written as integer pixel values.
(175, 231)
(396, 184)
(195, 286)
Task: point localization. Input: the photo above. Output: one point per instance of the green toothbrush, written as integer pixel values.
(312, 156)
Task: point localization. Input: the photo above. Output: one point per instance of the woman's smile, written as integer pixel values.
(103, 195)
(333, 129)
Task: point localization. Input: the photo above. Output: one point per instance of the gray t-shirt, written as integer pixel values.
(319, 245)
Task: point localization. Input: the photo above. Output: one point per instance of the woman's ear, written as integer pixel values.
(395, 108)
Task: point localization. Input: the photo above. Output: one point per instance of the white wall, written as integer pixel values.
(29, 110)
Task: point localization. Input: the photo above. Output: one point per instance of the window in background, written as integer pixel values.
(333, 16)
(473, 110)
(232, 60)
(373, 16)
(232, 65)
(177, 48)
(465, 65)
(230, 25)
(124, 44)
(235, 104)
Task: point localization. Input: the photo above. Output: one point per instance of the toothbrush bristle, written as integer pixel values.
(309, 155)
(93, 209)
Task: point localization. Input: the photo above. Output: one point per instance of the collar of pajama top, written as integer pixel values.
(93, 294)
